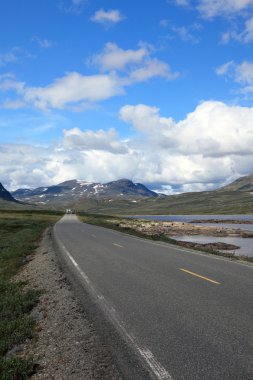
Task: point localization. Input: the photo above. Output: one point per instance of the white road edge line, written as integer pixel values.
(158, 370)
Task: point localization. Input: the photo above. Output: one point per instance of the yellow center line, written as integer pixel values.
(198, 275)
(118, 245)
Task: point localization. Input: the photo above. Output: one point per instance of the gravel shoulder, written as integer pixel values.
(65, 344)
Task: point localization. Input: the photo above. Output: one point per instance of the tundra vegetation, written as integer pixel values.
(20, 233)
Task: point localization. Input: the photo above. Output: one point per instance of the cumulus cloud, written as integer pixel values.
(153, 68)
(78, 92)
(138, 64)
(146, 119)
(237, 11)
(8, 82)
(210, 145)
(119, 68)
(212, 8)
(187, 33)
(72, 91)
(244, 72)
(241, 73)
(107, 18)
(212, 130)
(73, 88)
(224, 69)
(115, 58)
(245, 36)
(89, 140)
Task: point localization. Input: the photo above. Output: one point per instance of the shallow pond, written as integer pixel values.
(245, 244)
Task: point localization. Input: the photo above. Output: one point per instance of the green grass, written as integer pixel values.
(208, 202)
(113, 222)
(19, 236)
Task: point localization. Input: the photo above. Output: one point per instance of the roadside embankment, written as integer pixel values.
(19, 234)
(65, 344)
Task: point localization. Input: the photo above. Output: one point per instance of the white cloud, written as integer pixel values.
(79, 92)
(211, 145)
(138, 64)
(212, 8)
(244, 72)
(90, 140)
(204, 148)
(164, 23)
(120, 68)
(12, 55)
(43, 42)
(146, 119)
(241, 73)
(72, 6)
(71, 91)
(233, 10)
(13, 104)
(7, 58)
(107, 18)
(115, 58)
(224, 69)
(9, 83)
(153, 68)
(245, 36)
(181, 2)
(186, 32)
(217, 130)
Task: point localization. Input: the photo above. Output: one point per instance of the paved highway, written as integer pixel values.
(185, 315)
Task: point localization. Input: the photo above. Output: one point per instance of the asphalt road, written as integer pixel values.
(184, 314)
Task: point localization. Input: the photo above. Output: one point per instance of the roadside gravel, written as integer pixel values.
(65, 344)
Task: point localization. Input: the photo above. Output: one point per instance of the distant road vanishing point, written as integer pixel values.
(165, 312)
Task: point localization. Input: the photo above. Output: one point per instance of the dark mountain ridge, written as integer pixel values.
(5, 195)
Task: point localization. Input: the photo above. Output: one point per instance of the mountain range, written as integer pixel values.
(77, 190)
(125, 197)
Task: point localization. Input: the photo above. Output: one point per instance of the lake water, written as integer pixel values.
(245, 244)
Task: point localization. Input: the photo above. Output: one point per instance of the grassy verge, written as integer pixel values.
(113, 222)
(19, 236)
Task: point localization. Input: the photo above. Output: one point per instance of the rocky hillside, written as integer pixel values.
(5, 195)
(74, 190)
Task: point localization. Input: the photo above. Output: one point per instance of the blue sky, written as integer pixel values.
(157, 91)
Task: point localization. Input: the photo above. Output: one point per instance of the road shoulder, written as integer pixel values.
(65, 344)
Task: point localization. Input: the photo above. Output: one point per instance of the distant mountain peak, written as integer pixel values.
(75, 190)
